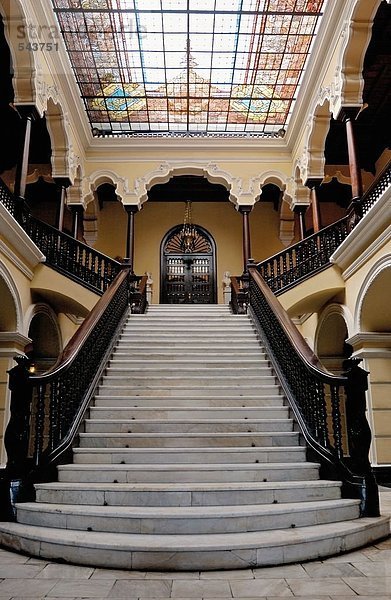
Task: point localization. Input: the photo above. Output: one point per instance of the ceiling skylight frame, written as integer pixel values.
(113, 74)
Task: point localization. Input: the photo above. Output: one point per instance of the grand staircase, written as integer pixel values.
(189, 459)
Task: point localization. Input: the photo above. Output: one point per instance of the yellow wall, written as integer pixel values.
(220, 219)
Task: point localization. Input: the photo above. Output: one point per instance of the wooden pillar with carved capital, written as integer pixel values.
(245, 211)
(131, 210)
(313, 183)
(348, 116)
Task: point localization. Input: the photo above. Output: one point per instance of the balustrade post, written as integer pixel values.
(359, 435)
(17, 435)
(245, 211)
(348, 115)
(131, 211)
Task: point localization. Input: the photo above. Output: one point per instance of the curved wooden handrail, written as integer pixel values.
(74, 345)
(307, 355)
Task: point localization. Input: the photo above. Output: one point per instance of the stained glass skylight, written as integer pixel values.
(188, 66)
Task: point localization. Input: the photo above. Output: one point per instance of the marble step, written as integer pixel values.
(109, 389)
(155, 425)
(184, 552)
(101, 414)
(189, 401)
(188, 371)
(188, 440)
(160, 473)
(146, 379)
(187, 493)
(177, 323)
(197, 345)
(188, 519)
(219, 333)
(189, 455)
(167, 353)
(185, 365)
(166, 356)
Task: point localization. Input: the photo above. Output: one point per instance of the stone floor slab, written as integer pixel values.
(260, 587)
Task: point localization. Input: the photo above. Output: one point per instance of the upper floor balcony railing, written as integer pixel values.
(311, 255)
(65, 254)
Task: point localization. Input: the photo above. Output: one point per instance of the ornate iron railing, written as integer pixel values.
(57, 400)
(65, 254)
(311, 255)
(296, 263)
(376, 190)
(329, 409)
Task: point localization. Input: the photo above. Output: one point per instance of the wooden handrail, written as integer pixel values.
(83, 332)
(292, 332)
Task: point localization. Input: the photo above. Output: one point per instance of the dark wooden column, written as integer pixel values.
(131, 211)
(313, 183)
(63, 183)
(300, 210)
(245, 211)
(348, 116)
(354, 211)
(28, 114)
(77, 215)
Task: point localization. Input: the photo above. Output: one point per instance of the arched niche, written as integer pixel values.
(375, 305)
(330, 338)
(8, 314)
(45, 336)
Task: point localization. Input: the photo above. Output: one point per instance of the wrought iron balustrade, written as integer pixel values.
(296, 263)
(376, 190)
(58, 399)
(330, 409)
(63, 253)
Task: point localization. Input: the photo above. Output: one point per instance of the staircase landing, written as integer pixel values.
(189, 460)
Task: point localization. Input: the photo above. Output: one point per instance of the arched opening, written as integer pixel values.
(188, 274)
(8, 316)
(332, 348)
(45, 341)
(376, 306)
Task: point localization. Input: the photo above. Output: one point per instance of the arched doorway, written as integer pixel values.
(188, 276)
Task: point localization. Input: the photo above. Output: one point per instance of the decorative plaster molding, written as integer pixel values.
(15, 260)
(358, 247)
(13, 233)
(12, 342)
(210, 170)
(383, 263)
(74, 319)
(371, 345)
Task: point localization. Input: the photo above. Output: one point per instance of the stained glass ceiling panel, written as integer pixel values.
(203, 67)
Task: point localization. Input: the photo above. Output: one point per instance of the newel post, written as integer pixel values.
(359, 435)
(17, 435)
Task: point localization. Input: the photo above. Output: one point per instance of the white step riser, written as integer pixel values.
(190, 401)
(152, 474)
(185, 373)
(180, 390)
(288, 454)
(199, 345)
(192, 413)
(208, 495)
(187, 440)
(167, 553)
(125, 522)
(172, 427)
(199, 367)
(136, 359)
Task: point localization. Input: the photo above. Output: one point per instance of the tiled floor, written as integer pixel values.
(365, 574)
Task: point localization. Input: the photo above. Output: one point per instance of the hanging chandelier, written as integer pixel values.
(188, 232)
